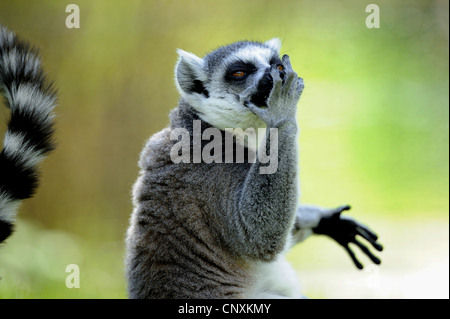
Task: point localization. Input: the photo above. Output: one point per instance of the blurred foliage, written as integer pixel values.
(373, 118)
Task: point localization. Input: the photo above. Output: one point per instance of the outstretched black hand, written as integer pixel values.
(344, 231)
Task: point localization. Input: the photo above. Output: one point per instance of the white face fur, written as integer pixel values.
(211, 87)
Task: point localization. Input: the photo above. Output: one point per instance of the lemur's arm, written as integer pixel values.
(265, 205)
(313, 219)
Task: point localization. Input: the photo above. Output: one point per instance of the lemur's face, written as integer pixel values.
(219, 85)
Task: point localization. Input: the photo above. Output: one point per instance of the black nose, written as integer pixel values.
(266, 82)
(263, 90)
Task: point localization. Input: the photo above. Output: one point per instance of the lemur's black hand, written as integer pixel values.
(344, 231)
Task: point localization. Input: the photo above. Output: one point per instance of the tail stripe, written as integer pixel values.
(9, 208)
(28, 97)
(28, 139)
(23, 151)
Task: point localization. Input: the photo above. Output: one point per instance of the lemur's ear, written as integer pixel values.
(190, 73)
(274, 44)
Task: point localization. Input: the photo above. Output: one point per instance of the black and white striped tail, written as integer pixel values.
(28, 138)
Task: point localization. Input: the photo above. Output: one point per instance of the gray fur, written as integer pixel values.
(220, 230)
(201, 230)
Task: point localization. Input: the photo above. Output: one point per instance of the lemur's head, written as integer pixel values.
(219, 85)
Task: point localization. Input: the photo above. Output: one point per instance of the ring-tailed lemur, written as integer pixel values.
(28, 138)
(220, 229)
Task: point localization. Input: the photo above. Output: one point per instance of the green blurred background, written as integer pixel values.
(374, 133)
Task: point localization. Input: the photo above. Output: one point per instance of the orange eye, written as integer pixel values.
(239, 73)
(280, 68)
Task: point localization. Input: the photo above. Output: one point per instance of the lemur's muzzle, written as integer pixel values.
(264, 88)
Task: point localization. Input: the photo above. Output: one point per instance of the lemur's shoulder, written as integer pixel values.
(156, 152)
(158, 147)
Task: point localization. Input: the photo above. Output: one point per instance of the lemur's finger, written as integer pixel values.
(364, 232)
(290, 73)
(370, 236)
(287, 63)
(343, 207)
(258, 111)
(338, 210)
(246, 94)
(377, 246)
(277, 80)
(277, 84)
(369, 232)
(290, 77)
(249, 104)
(353, 257)
(366, 250)
(300, 87)
(301, 84)
(372, 241)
